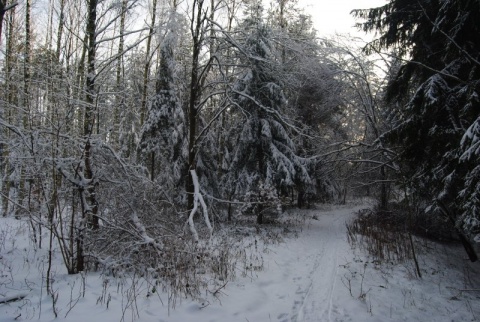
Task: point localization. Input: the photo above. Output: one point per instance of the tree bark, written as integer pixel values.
(91, 209)
(6, 109)
(197, 36)
(4, 7)
(146, 68)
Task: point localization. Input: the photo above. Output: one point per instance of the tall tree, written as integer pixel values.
(5, 5)
(312, 88)
(198, 73)
(264, 153)
(441, 78)
(163, 133)
(7, 107)
(120, 93)
(148, 59)
(88, 193)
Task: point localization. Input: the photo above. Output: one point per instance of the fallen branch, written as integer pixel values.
(13, 298)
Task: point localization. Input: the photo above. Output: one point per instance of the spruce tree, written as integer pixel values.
(437, 129)
(264, 157)
(163, 134)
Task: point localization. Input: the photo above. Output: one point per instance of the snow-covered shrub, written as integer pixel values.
(261, 201)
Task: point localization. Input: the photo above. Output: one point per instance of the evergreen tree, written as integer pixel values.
(264, 154)
(312, 88)
(163, 134)
(437, 130)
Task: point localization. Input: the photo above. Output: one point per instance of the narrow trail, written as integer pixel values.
(300, 281)
(301, 277)
(324, 242)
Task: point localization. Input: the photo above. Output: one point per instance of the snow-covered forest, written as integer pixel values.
(166, 148)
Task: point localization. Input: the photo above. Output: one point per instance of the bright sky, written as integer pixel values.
(333, 16)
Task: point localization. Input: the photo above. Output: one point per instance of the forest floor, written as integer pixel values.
(315, 276)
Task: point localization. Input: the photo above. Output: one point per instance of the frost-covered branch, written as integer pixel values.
(198, 198)
(108, 63)
(280, 117)
(123, 35)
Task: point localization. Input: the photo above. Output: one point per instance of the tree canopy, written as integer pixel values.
(434, 97)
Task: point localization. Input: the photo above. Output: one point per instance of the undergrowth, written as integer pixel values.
(402, 245)
(388, 236)
(130, 269)
(384, 235)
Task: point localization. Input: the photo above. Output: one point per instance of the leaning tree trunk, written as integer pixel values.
(472, 254)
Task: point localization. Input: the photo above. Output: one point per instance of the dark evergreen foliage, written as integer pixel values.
(163, 133)
(437, 130)
(264, 152)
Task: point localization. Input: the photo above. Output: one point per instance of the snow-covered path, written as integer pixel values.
(295, 280)
(315, 277)
(318, 277)
(325, 241)
(300, 280)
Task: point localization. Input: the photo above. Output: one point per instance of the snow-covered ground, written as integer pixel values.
(314, 277)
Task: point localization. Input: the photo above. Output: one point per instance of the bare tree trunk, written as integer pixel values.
(119, 88)
(48, 38)
(472, 254)
(80, 80)
(56, 178)
(90, 209)
(26, 65)
(197, 20)
(383, 189)
(61, 23)
(7, 113)
(20, 181)
(4, 7)
(283, 25)
(146, 68)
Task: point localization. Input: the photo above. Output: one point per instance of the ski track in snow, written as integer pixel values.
(300, 281)
(297, 284)
(323, 239)
(304, 279)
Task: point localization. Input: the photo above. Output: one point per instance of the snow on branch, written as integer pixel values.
(267, 109)
(471, 141)
(142, 231)
(13, 298)
(197, 197)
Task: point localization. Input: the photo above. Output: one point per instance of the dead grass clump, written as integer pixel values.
(381, 234)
